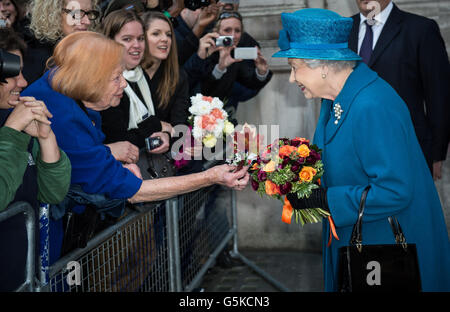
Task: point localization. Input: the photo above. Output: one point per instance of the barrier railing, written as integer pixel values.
(157, 248)
(15, 209)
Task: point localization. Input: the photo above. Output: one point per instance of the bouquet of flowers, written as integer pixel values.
(209, 120)
(290, 166)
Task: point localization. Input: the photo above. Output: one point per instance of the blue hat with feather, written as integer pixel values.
(315, 34)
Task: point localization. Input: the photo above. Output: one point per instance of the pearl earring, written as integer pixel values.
(324, 76)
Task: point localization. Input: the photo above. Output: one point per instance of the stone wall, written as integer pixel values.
(281, 103)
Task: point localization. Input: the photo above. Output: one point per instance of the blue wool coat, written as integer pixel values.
(81, 138)
(79, 135)
(374, 143)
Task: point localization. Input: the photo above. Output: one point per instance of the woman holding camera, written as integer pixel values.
(214, 66)
(76, 105)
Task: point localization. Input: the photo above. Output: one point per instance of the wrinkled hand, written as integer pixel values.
(166, 143)
(124, 151)
(30, 116)
(134, 169)
(225, 175)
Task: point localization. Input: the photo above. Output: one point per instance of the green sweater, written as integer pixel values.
(53, 178)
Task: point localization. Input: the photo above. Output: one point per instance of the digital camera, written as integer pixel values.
(9, 65)
(152, 143)
(224, 41)
(195, 4)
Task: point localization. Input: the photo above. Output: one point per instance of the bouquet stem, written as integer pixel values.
(314, 215)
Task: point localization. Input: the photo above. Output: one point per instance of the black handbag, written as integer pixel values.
(155, 166)
(378, 268)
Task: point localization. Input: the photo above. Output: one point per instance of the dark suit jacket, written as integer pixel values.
(410, 55)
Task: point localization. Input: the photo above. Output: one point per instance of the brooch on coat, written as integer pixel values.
(337, 112)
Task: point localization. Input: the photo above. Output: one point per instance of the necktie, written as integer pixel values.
(366, 47)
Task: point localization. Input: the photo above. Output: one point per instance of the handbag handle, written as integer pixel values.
(356, 238)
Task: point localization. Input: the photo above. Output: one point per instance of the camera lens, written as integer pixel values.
(227, 41)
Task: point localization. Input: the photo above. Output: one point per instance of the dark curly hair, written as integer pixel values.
(10, 40)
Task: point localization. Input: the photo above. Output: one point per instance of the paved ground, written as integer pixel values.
(298, 271)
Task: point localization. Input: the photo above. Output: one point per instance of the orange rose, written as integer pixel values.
(307, 174)
(286, 150)
(208, 122)
(303, 151)
(207, 98)
(270, 166)
(271, 188)
(217, 113)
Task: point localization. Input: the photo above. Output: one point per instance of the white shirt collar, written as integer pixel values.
(382, 17)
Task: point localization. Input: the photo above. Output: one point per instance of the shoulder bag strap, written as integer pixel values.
(356, 238)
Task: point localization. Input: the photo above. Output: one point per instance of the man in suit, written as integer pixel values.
(408, 51)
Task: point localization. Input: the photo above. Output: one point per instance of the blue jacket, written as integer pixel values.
(374, 143)
(80, 137)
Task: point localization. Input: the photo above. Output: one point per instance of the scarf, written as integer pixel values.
(138, 110)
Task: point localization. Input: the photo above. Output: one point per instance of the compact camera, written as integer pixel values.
(224, 41)
(152, 143)
(9, 65)
(195, 4)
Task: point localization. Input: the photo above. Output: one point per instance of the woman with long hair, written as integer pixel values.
(134, 119)
(169, 82)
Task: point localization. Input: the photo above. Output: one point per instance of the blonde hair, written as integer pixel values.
(82, 65)
(46, 18)
(171, 72)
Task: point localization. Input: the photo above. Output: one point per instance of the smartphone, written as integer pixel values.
(246, 53)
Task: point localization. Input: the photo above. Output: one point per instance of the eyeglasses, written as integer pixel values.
(79, 14)
(225, 15)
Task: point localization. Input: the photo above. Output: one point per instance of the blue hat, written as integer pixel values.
(315, 34)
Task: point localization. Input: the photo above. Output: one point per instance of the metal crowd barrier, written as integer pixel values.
(158, 248)
(29, 283)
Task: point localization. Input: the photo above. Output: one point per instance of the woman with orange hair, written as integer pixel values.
(85, 77)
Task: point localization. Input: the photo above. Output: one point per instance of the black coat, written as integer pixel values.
(35, 59)
(115, 119)
(243, 72)
(410, 55)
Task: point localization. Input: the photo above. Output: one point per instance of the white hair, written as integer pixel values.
(337, 66)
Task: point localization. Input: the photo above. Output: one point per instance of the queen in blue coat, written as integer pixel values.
(367, 137)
